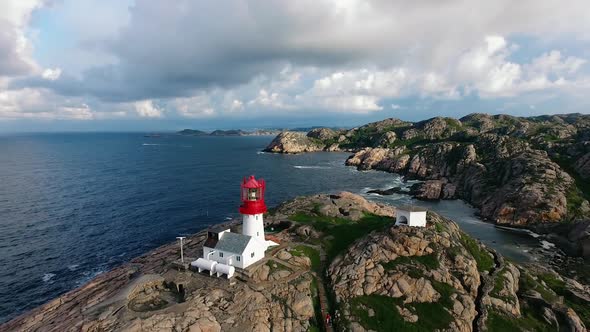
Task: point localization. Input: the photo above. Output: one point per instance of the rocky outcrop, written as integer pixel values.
(343, 205)
(510, 182)
(582, 166)
(430, 278)
(413, 266)
(145, 295)
(504, 165)
(322, 133)
(293, 142)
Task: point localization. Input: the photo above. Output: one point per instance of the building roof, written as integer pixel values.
(233, 242)
(412, 208)
(252, 183)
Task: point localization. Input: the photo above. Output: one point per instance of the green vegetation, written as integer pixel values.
(430, 261)
(276, 266)
(499, 283)
(440, 227)
(453, 124)
(316, 307)
(484, 261)
(527, 282)
(431, 316)
(313, 254)
(580, 306)
(576, 194)
(531, 319)
(340, 233)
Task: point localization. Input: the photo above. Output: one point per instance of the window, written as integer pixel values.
(238, 258)
(220, 254)
(256, 217)
(257, 233)
(252, 254)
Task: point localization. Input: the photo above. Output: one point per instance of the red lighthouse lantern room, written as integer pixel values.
(253, 196)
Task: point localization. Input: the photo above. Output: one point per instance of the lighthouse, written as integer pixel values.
(223, 250)
(253, 208)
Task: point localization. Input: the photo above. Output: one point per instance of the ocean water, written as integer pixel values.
(73, 206)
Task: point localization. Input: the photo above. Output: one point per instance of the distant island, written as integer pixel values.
(231, 132)
(240, 132)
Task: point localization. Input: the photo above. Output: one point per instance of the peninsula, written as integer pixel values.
(338, 254)
(529, 172)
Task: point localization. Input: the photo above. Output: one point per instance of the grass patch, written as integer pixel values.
(276, 266)
(580, 306)
(342, 232)
(531, 320)
(430, 261)
(527, 282)
(431, 316)
(440, 227)
(310, 252)
(316, 306)
(484, 261)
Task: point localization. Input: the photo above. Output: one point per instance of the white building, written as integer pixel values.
(411, 216)
(233, 249)
(223, 250)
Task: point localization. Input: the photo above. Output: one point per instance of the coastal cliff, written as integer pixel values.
(522, 172)
(338, 253)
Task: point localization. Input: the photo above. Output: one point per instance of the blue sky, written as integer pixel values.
(94, 65)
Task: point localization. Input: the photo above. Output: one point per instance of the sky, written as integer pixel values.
(118, 65)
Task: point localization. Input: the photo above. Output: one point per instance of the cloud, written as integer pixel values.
(236, 58)
(15, 47)
(487, 70)
(33, 104)
(147, 109)
(51, 74)
(230, 43)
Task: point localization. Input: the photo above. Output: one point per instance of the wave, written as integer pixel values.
(48, 276)
(312, 167)
(261, 152)
(151, 144)
(89, 275)
(73, 267)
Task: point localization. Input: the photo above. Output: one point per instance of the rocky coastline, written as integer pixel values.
(339, 253)
(519, 172)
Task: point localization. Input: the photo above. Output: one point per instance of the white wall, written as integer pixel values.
(415, 219)
(231, 258)
(253, 225)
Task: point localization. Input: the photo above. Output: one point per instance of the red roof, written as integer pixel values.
(252, 183)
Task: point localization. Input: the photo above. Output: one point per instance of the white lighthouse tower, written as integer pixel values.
(253, 208)
(223, 251)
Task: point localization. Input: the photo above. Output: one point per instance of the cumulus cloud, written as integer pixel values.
(199, 59)
(15, 47)
(51, 74)
(33, 104)
(147, 109)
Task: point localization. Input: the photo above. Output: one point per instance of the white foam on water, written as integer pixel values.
(151, 144)
(228, 218)
(547, 244)
(260, 152)
(312, 167)
(89, 275)
(48, 276)
(533, 234)
(73, 267)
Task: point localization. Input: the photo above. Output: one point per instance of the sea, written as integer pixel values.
(74, 205)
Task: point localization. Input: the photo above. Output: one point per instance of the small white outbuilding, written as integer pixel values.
(410, 215)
